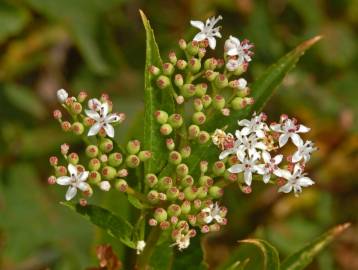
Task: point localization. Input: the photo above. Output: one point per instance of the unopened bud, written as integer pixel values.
(216, 192)
(185, 207)
(161, 117)
(179, 100)
(94, 177)
(202, 192)
(238, 103)
(182, 44)
(121, 185)
(94, 164)
(168, 69)
(187, 181)
(51, 180)
(219, 102)
(92, 151)
(66, 126)
(60, 171)
(53, 160)
(106, 145)
(182, 170)
(188, 90)
(203, 137)
(178, 80)
(122, 173)
(174, 157)
(165, 183)
(174, 210)
(144, 155)
(132, 161)
(181, 64)
(82, 96)
(201, 89)
(133, 147)
(160, 214)
(221, 81)
(76, 108)
(193, 131)
(115, 159)
(77, 128)
(185, 151)
(175, 120)
(194, 65)
(164, 225)
(198, 104)
(153, 196)
(203, 166)
(73, 158)
(172, 193)
(172, 57)
(166, 129)
(199, 118)
(163, 82)
(57, 114)
(206, 181)
(190, 193)
(151, 180)
(105, 185)
(211, 75)
(153, 70)
(109, 172)
(193, 48)
(170, 144)
(206, 101)
(210, 63)
(62, 95)
(201, 53)
(218, 168)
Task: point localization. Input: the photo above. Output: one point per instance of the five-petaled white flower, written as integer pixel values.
(270, 166)
(250, 143)
(295, 180)
(241, 50)
(304, 150)
(213, 212)
(62, 95)
(76, 180)
(289, 129)
(255, 125)
(140, 246)
(207, 31)
(248, 165)
(102, 120)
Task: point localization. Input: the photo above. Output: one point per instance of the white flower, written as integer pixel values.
(255, 125)
(295, 180)
(270, 166)
(304, 151)
(250, 144)
(182, 240)
(242, 83)
(105, 186)
(207, 31)
(103, 120)
(233, 47)
(248, 165)
(94, 104)
(232, 64)
(213, 212)
(289, 129)
(140, 246)
(75, 181)
(62, 95)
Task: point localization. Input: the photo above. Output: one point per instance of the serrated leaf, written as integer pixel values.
(113, 224)
(154, 99)
(270, 255)
(302, 258)
(262, 90)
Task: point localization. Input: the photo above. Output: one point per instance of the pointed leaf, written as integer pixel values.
(154, 99)
(302, 258)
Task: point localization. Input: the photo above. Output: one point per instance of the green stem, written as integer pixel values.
(144, 258)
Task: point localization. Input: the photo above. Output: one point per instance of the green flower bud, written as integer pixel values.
(151, 179)
(164, 225)
(77, 128)
(210, 63)
(249, 100)
(109, 173)
(219, 102)
(153, 70)
(106, 145)
(182, 44)
(168, 69)
(160, 214)
(133, 147)
(163, 82)
(216, 192)
(185, 207)
(206, 100)
(202, 52)
(165, 183)
(188, 90)
(197, 204)
(221, 81)
(240, 70)
(198, 104)
(190, 193)
(201, 89)
(178, 80)
(174, 157)
(181, 64)
(193, 131)
(92, 151)
(94, 177)
(172, 57)
(60, 171)
(243, 92)
(203, 166)
(174, 210)
(132, 161)
(73, 158)
(175, 120)
(182, 170)
(115, 159)
(230, 176)
(192, 220)
(76, 108)
(185, 151)
(193, 48)
(187, 181)
(238, 103)
(170, 144)
(153, 196)
(194, 65)
(219, 168)
(166, 129)
(221, 62)
(205, 180)
(172, 193)
(82, 96)
(202, 192)
(211, 75)
(161, 116)
(94, 164)
(203, 137)
(121, 185)
(144, 155)
(199, 118)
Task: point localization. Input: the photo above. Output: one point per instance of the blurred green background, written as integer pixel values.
(99, 46)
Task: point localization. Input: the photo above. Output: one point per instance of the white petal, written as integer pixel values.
(286, 188)
(83, 176)
(237, 168)
(248, 177)
(83, 186)
(303, 129)
(283, 139)
(232, 52)
(266, 178)
(94, 104)
(266, 156)
(71, 192)
(92, 114)
(235, 40)
(244, 122)
(296, 139)
(260, 133)
(296, 157)
(305, 182)
(109, 130)
(197, 24)
(112, 118)
(212, 42)
(261, 145)
(245, 131)
(63, 180)
(277, 159)
(260, 169)
(276, 127)
(285, 174)
(225, 153)
(199, 37)
(297, 169)
(94, 129)
(72, 169)
(104, 109)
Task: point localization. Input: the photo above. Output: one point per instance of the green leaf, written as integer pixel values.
(154, 99)
(262, 89)
(113, 224)
(271, 260)
(302, 258)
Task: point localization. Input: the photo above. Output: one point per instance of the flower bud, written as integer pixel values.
(132, 161)
(203, 137)
(174, 220)
(232, 177)
(161, 117)
(133, 147)
(216, 192)
(174, 210)
(218, 168)
(182, 44)
(160, 214)
(214, 227)
(122, 173)
(174, 157)
(249, 100)
(187, 181)
(73, 158)
(92, 151)
(181, 64)
(104, 97)
(221, 81)
(200, 89)
(219, 102)
(144, 155)
(199, 118)
(151, 179)
(152, 222)
(241, 69)
(76, 108)
(211, 75)
(185, 207)
(178, 80)
(210, 63)
(221, 62)
(179, 100)
(206, 101)
(162, 197)
(94, 164)
(185, 151)
(77, 128)
(163, 82)
(166, 129)
(190, 193)
(51, 180)
(53, 160)
(194, 65)
(66, 126)
(109, 172)
(245, 189)
(172, 193)
(57, 114)
(175, 120)
(205, 180)
(164, 225)
(192, 220)
(170, 144)
(103, 158)
(153, 196)
(188, 90)
(60, 171)
(94, 177)
(80, 168)
(82, 96)
(202, 192)
(87, 122)
(165, 182)
(168, 69)
(106, 145)
(203, 166)
(193, 131)
(197, 204)
(198, 104)
(62, 95)
(201, 53)
(182, 170)
(115, 159)
(172, 57)
(193, 48)
(121, 185)
(104, 185)
(238, 103)
(153, 70)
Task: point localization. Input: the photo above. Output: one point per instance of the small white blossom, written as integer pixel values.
(295, 180)
(250, 143)
(242, 83)
(248, 166)
(105, 185)
(289, 129)
(182, 241)
(255, 125)
(207, 30)
(103, 120)
(140, 246)
(62, 95)
(213, 212)
(270, 166)
(304, 151)
(75, 181)
(241, 50)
